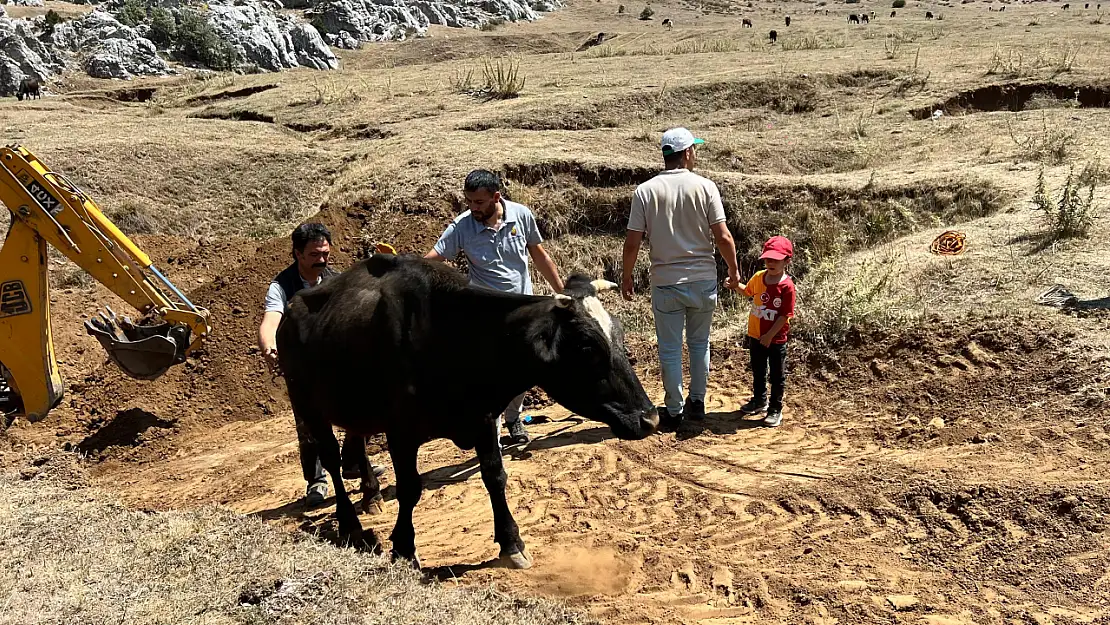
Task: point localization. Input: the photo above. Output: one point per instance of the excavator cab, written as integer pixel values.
(48, 208)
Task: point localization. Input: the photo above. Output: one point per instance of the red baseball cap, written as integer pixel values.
(778, 248)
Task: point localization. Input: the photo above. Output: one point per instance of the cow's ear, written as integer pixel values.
(563, 301)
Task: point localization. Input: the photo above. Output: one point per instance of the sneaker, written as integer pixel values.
(773, 419)
(518, 433)
(694, 409)
(316, 494)
(755, 406)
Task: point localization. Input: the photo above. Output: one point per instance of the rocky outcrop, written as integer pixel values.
(348, 23)
(269, 40)
(23, 54)
(111, 50)
(28, 3)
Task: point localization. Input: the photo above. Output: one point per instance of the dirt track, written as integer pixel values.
(861, 498)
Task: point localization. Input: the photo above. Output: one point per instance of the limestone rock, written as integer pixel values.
(269, 40)
(23, 54)
(344, 21)
(110, 49)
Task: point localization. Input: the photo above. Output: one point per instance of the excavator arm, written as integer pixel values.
(48, 208)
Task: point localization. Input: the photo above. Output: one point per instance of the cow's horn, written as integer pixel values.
(563, 300)
(603, 285)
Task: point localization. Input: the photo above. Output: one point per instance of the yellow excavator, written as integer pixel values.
(46, 207)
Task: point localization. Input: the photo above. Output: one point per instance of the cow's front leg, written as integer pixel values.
(409, 488)
(505, 530)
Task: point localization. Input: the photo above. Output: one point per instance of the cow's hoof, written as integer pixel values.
(520, 560)
(414, 561)
(372, 506)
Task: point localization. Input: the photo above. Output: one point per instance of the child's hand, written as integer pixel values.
(766, 339)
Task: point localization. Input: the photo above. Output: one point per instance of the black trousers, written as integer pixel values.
(762, 359)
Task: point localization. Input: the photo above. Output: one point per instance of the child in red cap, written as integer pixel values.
(772, 293)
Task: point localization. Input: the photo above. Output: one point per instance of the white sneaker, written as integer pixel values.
(773, 419)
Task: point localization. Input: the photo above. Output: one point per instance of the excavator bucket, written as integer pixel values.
(142, 352)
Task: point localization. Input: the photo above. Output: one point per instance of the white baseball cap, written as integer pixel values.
(677, 140)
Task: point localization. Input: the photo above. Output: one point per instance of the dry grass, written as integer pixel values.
(71, 554)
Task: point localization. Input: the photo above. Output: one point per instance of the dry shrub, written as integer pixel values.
(132, 218)
(835, 304)
(1053, 144)
(1073, 212)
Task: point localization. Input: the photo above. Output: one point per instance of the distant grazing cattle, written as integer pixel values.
(928, 15)
(1087, 6)
(1002, 9)
(408, 312)
(1066, 7)
(816, 11)
(29, 88)
(826, 11)
(774, 35)
(893, 13)
(787, 20)
(853, 19)
(746, 23)
(872, 14)
(863, 18)
(667, 23)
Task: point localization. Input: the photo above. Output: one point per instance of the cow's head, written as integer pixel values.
(587, 364)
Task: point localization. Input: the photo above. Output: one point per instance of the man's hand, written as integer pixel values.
(733, 280)
(766, 339)
(632, 241)
(271, 356)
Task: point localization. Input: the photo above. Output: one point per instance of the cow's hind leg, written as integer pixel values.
(409, 489)
(355, 447)
(505, 531)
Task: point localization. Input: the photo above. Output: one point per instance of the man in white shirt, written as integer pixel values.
(682, 216)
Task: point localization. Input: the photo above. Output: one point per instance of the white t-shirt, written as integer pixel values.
(275, 295)
(675, 209)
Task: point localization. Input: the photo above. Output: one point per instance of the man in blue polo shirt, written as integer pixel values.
(497, 236)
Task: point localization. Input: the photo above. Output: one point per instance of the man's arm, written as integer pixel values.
(632, 241)
(727, 245)
(267, 338)
(447, 246)
(546, 266)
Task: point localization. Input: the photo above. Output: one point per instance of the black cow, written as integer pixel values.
(774, 35)
(853, 19)
(1066, 7)
(667, 23)
(893, 13)
(863, 18)
(787, 20)
(746, 23)
(29, 88)
(928, 15)
(1002, 9)
(402, 346)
